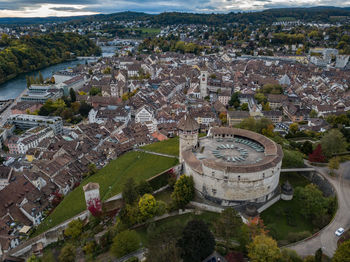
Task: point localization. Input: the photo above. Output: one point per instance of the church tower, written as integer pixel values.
(204, 83)
(188, 134)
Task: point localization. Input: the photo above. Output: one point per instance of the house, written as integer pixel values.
(224, 97)
(276, 101)
(236, 117)
(145, 116)
(296, 113)
(23, 107)
(275, 116)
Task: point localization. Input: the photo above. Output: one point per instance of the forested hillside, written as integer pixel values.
(34, 52)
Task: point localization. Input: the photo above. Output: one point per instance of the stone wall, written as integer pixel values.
(321, 182)
(233, 188)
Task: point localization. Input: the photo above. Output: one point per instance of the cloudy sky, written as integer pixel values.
(42, 8)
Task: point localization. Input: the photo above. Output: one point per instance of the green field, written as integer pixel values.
(111, 179)
(169, 147)
(149, 30)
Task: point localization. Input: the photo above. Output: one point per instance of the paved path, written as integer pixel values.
(155, 153)
(326, 239)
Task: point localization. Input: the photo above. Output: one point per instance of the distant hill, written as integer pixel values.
(311, 14)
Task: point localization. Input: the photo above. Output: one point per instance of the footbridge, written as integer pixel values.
(302, 169)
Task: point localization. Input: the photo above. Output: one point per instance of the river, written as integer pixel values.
(14, 87)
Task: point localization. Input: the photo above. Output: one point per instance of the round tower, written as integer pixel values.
(188, 134)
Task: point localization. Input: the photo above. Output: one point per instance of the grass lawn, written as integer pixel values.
(179, 221)
(169, 147)
(111, 179)
(275, 217)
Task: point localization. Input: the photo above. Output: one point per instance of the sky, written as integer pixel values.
(44, 8)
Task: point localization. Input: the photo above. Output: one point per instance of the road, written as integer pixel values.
(326, 239)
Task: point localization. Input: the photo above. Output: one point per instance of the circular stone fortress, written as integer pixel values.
(230, 166)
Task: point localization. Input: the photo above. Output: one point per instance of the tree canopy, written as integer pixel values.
(263, 249)
(333, 142)
(124, 243)
(342, 254)
(30, 53)
(197, 242)
(183, 191)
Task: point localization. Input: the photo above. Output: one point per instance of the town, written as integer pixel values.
(185, 101)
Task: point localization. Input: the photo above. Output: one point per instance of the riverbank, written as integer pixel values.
(13, 87)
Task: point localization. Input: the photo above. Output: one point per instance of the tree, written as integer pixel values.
(33, 258)
(342, 254)
(107, 70)
(234, 101)
(90, 247)
(196, 242)
(84, 109)
(124, 243)
(311, 201)
(244, 107)
(333, 163)
(144, 187)
(333, 142)
(292, 159)
(94, 91)
(72, 95)
(67, 253)
(306, 148)
(129, 191)
(313, 113)
(28, 81)
(290, 255)
(228, 225)
(266, 106)
(261, 98)
(317, 155)
(74, 229)
(183, 191)
(318, 255)
(41, 78)
(263, 249)
(161, 244)
(293, 128)
(148, 206)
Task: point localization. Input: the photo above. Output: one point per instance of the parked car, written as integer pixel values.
(339, 231)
